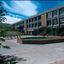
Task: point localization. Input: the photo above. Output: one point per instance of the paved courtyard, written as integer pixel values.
(35, 53)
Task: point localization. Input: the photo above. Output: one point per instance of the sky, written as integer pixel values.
(19, 10)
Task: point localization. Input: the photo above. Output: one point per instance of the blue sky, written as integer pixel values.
(18, 10)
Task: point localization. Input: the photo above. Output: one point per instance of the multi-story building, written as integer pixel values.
(50, 18)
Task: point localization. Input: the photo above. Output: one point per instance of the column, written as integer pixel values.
(51, 20)
(58, 17)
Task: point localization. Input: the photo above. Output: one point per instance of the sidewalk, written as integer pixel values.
(34, 53)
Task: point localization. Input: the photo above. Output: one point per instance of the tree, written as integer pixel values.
(41, 29)
(59, 30)
(5, 59)
(62, 34)
(2, 19)
(44, 30)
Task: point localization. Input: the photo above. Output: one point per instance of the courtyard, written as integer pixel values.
(35, 53)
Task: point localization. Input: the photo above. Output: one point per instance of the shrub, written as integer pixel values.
(27, 33)
(59, 30)
(41, 29)
(62, 34)
(44, 29)
(43, 33)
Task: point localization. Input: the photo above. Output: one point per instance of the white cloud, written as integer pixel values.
(11, 20)
(26, 8)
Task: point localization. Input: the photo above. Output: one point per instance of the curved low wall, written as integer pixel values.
(40, 41)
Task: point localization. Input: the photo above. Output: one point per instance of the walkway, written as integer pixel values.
(34, 53)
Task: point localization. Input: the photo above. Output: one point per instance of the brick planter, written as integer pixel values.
(40, 41)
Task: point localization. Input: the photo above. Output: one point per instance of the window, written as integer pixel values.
(35, 18)
(49, 15)
(39, 24)
(32, 19)
(55, 22)
(32, 25)
(61, 11)
(29, 20)
(27, 26)
(62, 21)
(49, 22)
(54, 13)
(39, 17)
(35, 24)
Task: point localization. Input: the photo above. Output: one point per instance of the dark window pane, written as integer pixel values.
(32, 19)
(55, 22)
(35, 18)
(39, 17)
(54, 13)
(29, 20)
(27, 26)
(35, 24)
(61, 10)
(49, 15)
(32, 25)
(39, 24)
(49, 22)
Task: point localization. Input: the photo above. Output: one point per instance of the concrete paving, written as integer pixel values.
(35, 53)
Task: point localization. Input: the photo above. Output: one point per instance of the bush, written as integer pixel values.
(62, 34)
(6, 47)
(41, 29)
(44, 29)
(9, 59)
(48, 29)
(27, 33)
(43, 34)
(59, 30)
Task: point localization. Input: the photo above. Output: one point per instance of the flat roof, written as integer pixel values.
(55, 8)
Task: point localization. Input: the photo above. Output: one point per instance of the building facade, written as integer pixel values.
(50, 18)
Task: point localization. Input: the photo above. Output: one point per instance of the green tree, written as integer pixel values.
(5, 59)
(40, 30)
(44, 30)
(62, 34)
(59, 30)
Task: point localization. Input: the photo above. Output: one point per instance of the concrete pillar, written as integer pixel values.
(51, 19)
(34, 22)
(25, 28)
(31, 25)
(58, 18)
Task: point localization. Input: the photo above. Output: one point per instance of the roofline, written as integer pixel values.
(57, 7)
